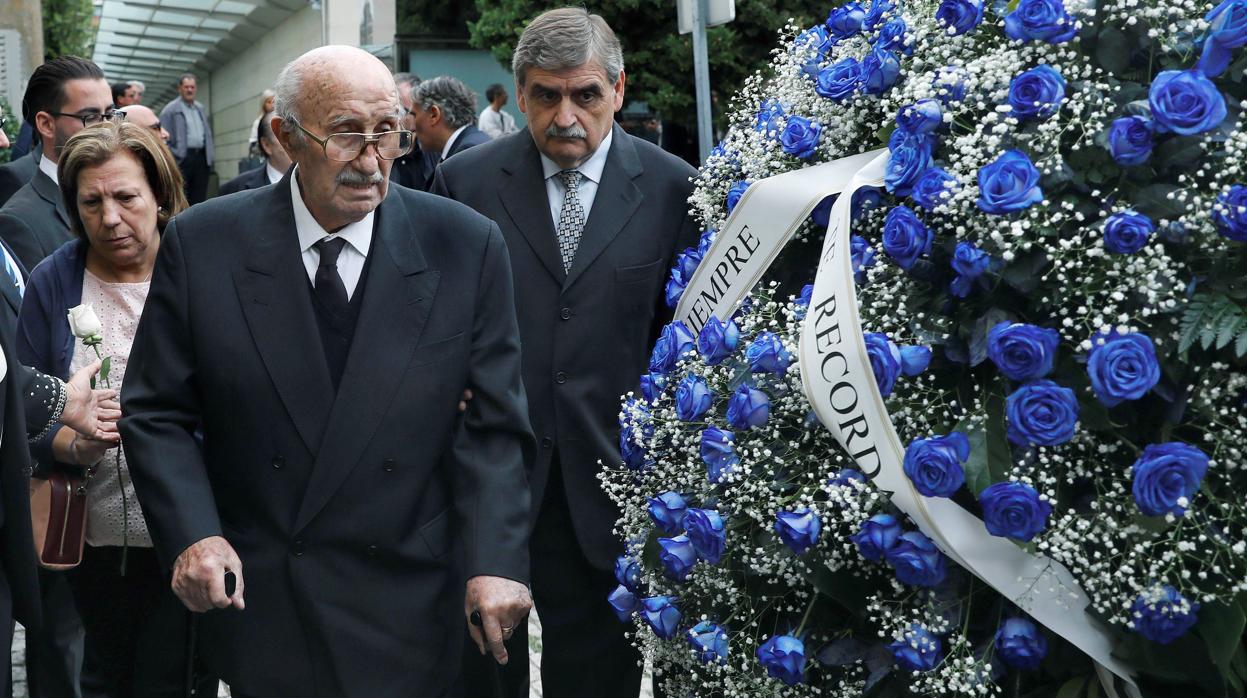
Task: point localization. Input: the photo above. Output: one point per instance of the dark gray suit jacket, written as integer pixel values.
(348, 510)
(251, 179)
(34, 222)
(469, 137)
(15, 174)
(586, 334)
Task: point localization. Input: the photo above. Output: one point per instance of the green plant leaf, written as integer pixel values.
(1072, 688)
(990, 456)
(105, 366)
(1221, 628)
(1113, 50)
(1240, 345)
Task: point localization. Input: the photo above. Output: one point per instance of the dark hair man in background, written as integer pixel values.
(493, 121)
(276, 162)
(190, 138)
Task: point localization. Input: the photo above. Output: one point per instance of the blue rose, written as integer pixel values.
(892, 36)
(673, 343)
(686, 264)
(709, 641)
(652, 385)
(673, 291)
(798, 529)
(635, 455)
(1022, 352)
(623, 601)
(705, 241)
(667, 511)
(1122, 367)
(1021, 644)
(816, 37)
(864, 200)
(800, 137)
(970, 263)
(914, 359)
(878, 10)
(862, 257)
(934, 465)
(950, 84)
(881, 69)
(1037, 93)
(1167, 476)
(1127, 232)
(905, 237)
(920, 650)
(916, 560)
(839, 80)
(821, 215)
(734, 194)
(706, 530)
(909, 156)
(1041, 413)
(766, 354)
(1227, 31)
(692, 398)
(717, 340)
(923, 116)
(628, 572)
(783, 657)
(1014, 510)
(1186, 102)
(807, 295)
(677, 556)
(844, 477)
(1162, 614)
(1130, 140)
(768, 117)
(846, 20)
(718, 453)
(959, 16)
(885, 361)
(934, 187)
(876, 536)
(1230, 213)
(1008, 184)
(749, 408)
(1040, 20)
(662, 616)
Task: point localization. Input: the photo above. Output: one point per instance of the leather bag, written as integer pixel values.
(58, 517)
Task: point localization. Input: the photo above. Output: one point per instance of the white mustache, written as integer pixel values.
(352, 178)
(553, 131)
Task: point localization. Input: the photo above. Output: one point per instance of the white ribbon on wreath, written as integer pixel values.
(841, 388)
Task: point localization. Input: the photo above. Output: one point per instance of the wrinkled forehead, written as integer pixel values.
(566, 80)
(331, 102)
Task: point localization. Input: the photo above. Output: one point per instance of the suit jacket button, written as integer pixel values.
(560, 377)
(388, 465)
(566, 313)
(546, 442)
(296, 548)
(278, 462)
(372, 551)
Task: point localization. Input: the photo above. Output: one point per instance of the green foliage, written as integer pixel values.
(658, 60)
(67, 28)
(435, 17)
(1213, 321)
(10, 128)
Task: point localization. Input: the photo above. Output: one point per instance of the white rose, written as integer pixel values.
(84, 323)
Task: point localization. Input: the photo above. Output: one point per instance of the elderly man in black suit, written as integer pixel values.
(318, 333)
(593, 219)
(64, 96)
(276, 162)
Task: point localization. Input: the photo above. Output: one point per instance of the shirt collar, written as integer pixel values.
(274, 175)
(48, 167)
(451, 141)
(591, 168)
(357, 234)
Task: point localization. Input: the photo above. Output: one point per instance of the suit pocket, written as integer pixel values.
(436, 534)
(640, 272)
(439, 350)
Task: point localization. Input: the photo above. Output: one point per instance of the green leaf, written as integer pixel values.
(1154, 201)
(1093, 688)
(1229, 327)
(1240, 345)
(105, 366)
(850, 591)
(1113, 50)
(1072, 688)
(1221, 627)
(1180, 152)
(990, 457)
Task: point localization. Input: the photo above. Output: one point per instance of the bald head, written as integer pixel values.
(326, 75)
(145, 117)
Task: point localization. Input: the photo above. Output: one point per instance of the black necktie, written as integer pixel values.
(329, 286)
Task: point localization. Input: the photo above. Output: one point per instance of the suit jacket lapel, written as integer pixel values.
(523, 195)
(48, 191)
(273, 291)
(398, 295)
(616, 200)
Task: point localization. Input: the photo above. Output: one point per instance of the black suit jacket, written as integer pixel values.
(15, 174)
(469, 137)
(414, 170)
(10, 297)
(342, 508)
(586, 334)
(34, 222)
(251, 179)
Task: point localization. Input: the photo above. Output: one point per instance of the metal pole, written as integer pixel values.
(701, 76)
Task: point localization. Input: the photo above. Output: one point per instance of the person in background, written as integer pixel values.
(123, 94)
(122, 186)
(139, 89)
(493, 121)
(145, 117)
(15, 173)
(593, 220)
(415, 169)
(190, 138)
(266, 111)
(444, 116)
(276, 163)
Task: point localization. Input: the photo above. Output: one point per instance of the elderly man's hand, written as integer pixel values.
(199, 575)
(503, 604)
(92, 413)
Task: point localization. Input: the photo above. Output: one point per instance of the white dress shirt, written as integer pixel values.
(588, 189)
(451, 141)
(48, 167)
(274, 175)
(496, 123)
(358, 236)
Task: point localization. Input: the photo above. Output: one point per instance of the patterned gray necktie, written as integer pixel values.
(571, 217)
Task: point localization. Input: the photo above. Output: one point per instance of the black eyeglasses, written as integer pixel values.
(92, 118)
(345, 147)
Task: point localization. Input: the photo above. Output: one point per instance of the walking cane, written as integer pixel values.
(192, 629)
(497, 668)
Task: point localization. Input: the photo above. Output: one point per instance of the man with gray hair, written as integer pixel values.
(291, 423)
(415, 169)
(444, 117)
(593, 219)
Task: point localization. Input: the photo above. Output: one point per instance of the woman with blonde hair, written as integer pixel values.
(121, 186)
(267, 100)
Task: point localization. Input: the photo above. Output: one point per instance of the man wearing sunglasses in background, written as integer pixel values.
(145, 117)
(319, 331)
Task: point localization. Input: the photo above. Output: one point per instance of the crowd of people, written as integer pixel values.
(365, 391)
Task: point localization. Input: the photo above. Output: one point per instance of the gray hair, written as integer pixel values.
(139, 84)
(401, 79)
(457, 102)
(568, 37)
(286, 91)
